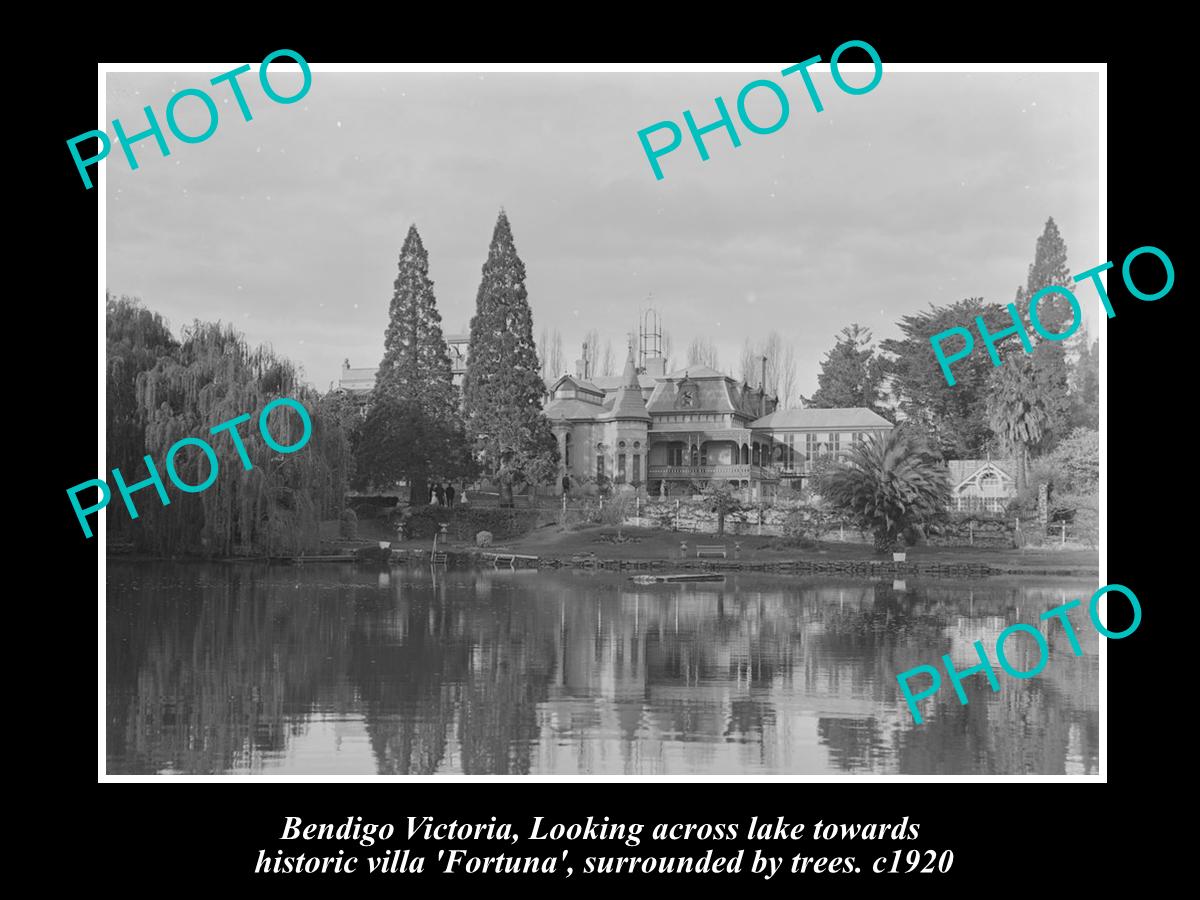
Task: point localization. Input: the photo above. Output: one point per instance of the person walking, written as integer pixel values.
(441, 494)
(449, 494)
(566, 484)
(432, 494)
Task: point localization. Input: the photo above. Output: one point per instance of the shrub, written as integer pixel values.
(464, 523)
(349, 524)
(806, 522)
(1082, 513)
(617, 509)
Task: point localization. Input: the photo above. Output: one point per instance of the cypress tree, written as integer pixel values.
(503, 388)
(413, 423)
(1048, 370)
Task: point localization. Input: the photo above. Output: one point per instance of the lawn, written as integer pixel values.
(644, 543)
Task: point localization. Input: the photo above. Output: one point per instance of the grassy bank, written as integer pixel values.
(646, 544)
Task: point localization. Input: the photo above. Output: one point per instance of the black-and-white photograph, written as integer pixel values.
(591, 423)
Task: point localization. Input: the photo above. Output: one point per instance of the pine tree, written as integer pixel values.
(502, 388)
(952, 419)
(414, 406)
(851, 373)
(1049, 364)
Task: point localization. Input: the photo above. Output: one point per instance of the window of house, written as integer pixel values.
(810, 451)
(835, 442)
(567, 450)
(599, 466)
(637, 468)
(621, 468)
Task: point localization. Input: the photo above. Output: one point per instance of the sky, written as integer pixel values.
(928, 189)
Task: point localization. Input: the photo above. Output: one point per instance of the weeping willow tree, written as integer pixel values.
(275, 507)
(135, 339)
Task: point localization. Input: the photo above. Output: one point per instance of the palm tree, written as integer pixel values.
(1017, 414)
(887, 484)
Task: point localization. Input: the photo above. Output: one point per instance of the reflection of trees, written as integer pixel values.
(212, 668)
(856, 745)
(405, 662)
(510, 672)
(196, 678)
(447, 664)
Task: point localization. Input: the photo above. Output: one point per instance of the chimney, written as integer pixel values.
(762, 387)
(581, 364)
(656, 366)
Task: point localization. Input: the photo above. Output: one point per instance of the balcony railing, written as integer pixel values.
(713, 473)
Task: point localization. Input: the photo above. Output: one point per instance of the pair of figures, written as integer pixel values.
(441, 494)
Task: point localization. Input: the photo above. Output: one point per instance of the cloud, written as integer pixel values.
(914, 193)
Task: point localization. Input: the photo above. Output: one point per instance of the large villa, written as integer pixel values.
(669, 433)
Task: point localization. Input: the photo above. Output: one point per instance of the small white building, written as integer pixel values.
(981, 485)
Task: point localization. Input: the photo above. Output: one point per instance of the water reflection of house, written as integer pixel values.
(964, 631)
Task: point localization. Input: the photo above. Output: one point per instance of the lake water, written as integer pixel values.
(337, 669)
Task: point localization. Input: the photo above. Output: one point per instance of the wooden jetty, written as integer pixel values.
(509, 559)
(672, 579)
(300, 560)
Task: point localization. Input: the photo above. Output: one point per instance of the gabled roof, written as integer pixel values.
(828, 419)
(965, 469)
(579, 383)
(357, 380)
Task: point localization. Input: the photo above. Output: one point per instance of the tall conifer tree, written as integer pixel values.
(851, 374)
(413, 427)
(1048, 370)
(416, 361)
(503, 388)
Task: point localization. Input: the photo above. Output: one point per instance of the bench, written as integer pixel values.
(710, 550)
